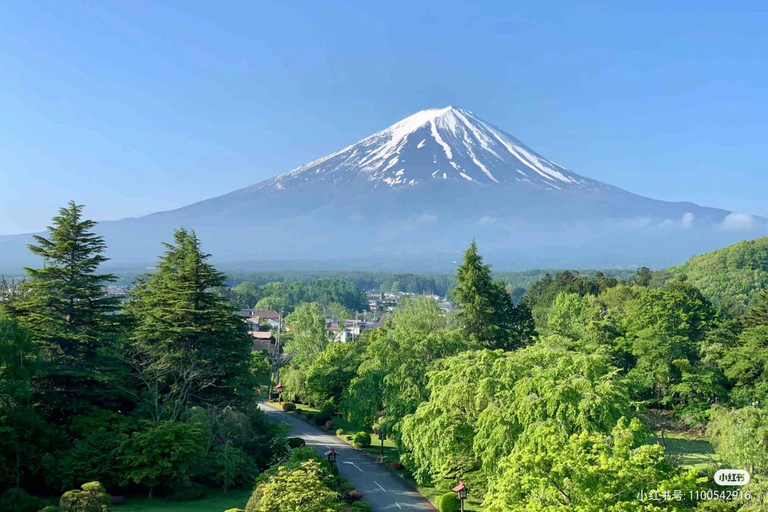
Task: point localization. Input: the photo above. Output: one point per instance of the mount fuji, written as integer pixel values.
(414, 194)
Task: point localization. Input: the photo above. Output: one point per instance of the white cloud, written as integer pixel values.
(737, 222)
(427, 218)
(688, 219)
(485, 220)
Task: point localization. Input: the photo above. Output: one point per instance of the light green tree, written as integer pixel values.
(302, 489)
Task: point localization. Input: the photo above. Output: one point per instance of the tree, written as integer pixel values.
(486, 313)
(740, 440)
(570, 315)
(757, 314)
(308, 334)
(188, 347)
(302, 489)
(163, 453)
(23, 431)
(587, 472)
(75, 326)
(392, 375)
(746, 366)
(481, 403)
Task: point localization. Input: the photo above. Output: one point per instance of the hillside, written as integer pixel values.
(730, 276)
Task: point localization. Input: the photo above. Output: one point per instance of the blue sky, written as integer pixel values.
(132, 107)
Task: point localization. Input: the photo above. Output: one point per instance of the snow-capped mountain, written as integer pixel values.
(418, 192)
(435, 144)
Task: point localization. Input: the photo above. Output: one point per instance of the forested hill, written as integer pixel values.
(730, 277)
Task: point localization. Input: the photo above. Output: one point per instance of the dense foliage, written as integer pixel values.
(102, 396)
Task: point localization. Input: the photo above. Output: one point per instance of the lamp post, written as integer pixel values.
(380, 433)
(331, 455)
(279, 391)
(461, 493)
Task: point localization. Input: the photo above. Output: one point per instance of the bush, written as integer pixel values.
(448, 502)
(352, 496)
(397, 465)
(90, 498)
(299, 411)
(310, 415)
(340, 432)
(296, 442)
(349, 437)
(362, 440)
(235, 510)
(289, 406)
(19, 501)
(362, 506)
(321, 419)
(346, 487)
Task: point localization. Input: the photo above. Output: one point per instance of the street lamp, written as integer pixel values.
(461, 493)
(380, 433)
(331, 455)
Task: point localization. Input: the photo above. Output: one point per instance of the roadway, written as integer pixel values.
(384, 490)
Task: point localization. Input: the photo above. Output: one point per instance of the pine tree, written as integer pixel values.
(73, 323)
(486, 312)
(758, 311)
(188, 346)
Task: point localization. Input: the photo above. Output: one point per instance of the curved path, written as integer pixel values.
(380, 487)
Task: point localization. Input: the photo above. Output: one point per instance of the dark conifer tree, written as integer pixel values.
(74, 325)
(757, 314)
(188, 346)
(486, 312)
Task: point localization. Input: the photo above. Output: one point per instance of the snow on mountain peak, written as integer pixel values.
(435, 144)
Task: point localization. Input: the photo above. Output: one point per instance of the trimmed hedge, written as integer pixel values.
(289, 406)
(340, 432)
(362, 440)
(296, 442)
(352, 496)
(448, 502)
(362, 506)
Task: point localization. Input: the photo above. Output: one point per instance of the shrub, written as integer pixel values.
(346, 487)
(362, 506)
(235, 510)
(321, 419)
(310, 415)
(19, 501)
(296, 442)
(397, 465)
(349, 437)
(352, 496)
(299, 411)
(289, 406)
(90, 498)
(448, 502)
(362, 440)
(340, 432)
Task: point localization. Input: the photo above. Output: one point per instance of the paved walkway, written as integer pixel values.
(380, 487)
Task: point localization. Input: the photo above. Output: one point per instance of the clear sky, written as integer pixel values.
(137, 106)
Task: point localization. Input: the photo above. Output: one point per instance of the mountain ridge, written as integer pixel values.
(426, 185)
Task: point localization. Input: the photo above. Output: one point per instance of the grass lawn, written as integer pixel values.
(390, 454)
(216, 501)
(686, 450)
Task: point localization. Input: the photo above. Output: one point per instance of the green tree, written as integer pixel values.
(757, 314)
(75, 326)
(308, 334)
(746, 366)
(301, 489)
(188, 347)
(486, 313)
(740, 440)
(589, 472)
(163, 453)
(481, 402)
